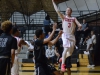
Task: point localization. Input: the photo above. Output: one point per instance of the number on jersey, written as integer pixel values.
(69, 25)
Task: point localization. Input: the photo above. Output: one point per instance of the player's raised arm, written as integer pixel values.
(57, 10)
(56, 39)
(51, 35)
(78, 24)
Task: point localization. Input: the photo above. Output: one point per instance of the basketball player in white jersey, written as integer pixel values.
(20, 42)
(68, 24)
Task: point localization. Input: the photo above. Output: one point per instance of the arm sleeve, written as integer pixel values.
(14, 44)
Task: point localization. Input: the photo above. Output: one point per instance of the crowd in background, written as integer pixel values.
(83, 37)
(53, 53)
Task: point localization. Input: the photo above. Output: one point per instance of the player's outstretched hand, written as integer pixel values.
(54, 26)
(60, 32)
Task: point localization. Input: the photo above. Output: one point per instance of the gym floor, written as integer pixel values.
(75, 71)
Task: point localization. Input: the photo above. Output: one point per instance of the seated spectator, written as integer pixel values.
(50, 54)
(89, 49)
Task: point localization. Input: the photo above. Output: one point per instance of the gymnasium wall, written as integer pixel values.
(81, 5)
(74, 4)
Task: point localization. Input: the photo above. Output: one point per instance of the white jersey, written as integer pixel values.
(69, 25)
(89, 42)
(18, 40)
(15, 67)
(94, 39)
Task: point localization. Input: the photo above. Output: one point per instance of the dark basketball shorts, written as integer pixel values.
(45, 70)
(5, 66)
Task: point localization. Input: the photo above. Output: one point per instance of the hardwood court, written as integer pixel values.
(31, 73)
(28, 69)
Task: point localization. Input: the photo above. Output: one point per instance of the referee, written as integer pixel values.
(8, 45)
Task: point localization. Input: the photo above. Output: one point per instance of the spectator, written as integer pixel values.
(50, 54)
(22, 30)
(47, 37)
(93, 39)
(88, 40)
(84, 29)
(46, 46)
(47, 24)
(83, 32)
(59, 48)
(48, 34)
